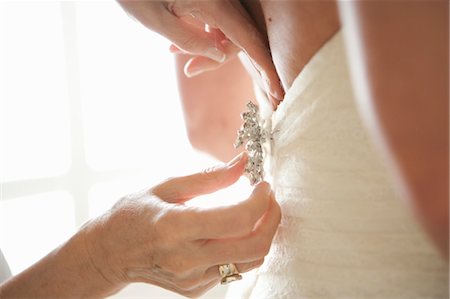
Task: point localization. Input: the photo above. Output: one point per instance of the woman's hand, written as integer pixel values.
(212, 31)
(153, 237)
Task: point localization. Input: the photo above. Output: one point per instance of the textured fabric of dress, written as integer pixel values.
(344, 232)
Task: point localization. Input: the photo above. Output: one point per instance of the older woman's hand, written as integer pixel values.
(153, 237)
(212, 31)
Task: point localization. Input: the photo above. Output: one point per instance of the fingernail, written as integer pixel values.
(235, 160)
(266, 85)
(277, 90)
(269, 189)
(265, 81)
(225, 42)
(266, 187)
(216, 54)
(277, 95)
(273, 90)
(273, 101)
(193, 71)
(174, 49)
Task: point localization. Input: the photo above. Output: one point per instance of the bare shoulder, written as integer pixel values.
(296, 30)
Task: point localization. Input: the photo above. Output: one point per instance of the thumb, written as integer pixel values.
(183, 188)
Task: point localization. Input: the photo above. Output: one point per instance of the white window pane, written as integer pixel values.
(32, 226)
(34, 126)
(128, 89)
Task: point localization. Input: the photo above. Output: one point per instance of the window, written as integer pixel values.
(88, 113)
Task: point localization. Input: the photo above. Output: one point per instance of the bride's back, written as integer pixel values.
(296, 30)
(344, 232)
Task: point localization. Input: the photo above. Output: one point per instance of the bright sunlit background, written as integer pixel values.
(89, 112)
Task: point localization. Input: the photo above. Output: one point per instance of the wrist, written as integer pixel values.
(66, 272)
(97, 261)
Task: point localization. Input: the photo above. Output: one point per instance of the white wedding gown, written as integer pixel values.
(344, 232)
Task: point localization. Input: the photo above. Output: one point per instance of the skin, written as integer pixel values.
(183, 22)
(207, 98)
(152, 237)
(400, 64)
(399, 53)
(225, 105)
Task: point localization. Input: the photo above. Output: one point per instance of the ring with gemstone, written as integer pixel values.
(229, 273)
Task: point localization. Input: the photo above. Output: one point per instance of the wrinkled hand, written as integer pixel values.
(153, 237)
(212, 31)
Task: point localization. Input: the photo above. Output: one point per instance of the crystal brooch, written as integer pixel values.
(253, 135)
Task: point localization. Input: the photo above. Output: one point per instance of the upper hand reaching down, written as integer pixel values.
(212, 31)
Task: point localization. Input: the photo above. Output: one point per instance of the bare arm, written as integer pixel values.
(212, 103)
(151, 237)
(399, 60)
(65, 272)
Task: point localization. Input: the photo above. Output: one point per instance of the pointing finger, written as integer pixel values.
(183, 188)
(232, 221)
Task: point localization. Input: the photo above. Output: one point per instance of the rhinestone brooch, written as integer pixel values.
(253, 135)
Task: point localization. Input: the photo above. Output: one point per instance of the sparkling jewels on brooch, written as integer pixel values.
(253, 136)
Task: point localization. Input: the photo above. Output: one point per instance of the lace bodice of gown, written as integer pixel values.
(344, 232)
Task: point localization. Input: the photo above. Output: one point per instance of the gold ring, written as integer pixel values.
(229, 273)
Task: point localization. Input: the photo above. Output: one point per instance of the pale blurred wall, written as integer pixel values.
(89, 112)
